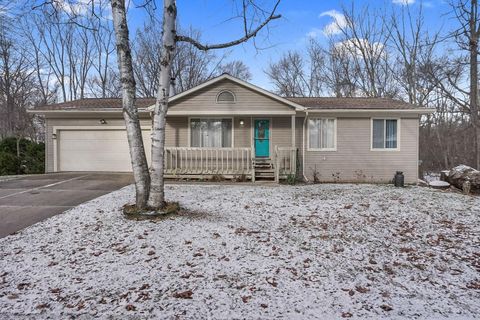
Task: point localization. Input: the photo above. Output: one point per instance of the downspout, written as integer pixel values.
(303, 147)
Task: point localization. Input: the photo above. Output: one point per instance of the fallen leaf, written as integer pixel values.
(183, 295)
(130, 307)
(386, 307)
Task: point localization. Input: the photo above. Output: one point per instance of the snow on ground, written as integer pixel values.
(320, 251)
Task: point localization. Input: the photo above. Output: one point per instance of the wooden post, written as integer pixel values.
(293, 131)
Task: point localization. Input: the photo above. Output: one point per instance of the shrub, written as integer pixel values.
(31, 159)
(9, 164)
(291, 179)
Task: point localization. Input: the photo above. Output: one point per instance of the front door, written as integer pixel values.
(262, 138)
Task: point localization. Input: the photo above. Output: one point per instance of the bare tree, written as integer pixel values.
(104, 75)
(18, 90)
(467, 37)
(237, 69)
(288, 75)
(363, 40)
(170, 39)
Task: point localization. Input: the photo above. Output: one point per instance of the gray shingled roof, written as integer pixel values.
(351, 103)
(99, 104)
(94, 104)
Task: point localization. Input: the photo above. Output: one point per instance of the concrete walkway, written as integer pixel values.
(28, 200)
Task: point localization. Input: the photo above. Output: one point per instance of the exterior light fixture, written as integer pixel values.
(54, 136)
(102, 121)
(242, 123)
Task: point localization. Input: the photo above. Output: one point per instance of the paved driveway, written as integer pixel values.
(28, 200)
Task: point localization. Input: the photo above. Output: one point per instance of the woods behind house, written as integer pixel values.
(53, 54)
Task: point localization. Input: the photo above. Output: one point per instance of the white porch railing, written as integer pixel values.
(285, 162)
(208, 161)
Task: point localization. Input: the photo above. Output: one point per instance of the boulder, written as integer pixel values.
(464, 177)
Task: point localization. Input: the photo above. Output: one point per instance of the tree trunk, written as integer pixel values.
(157, 194)
(473, 46)
(130, 112)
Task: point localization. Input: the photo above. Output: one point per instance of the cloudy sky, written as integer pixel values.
(301, 19)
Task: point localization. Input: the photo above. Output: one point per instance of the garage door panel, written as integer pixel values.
(96, 150)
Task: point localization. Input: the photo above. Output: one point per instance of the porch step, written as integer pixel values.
(263, 169)
(262, 163)
(264, 174)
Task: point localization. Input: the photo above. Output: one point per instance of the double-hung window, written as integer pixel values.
(322, 134)
(385, 134)
(211, 133)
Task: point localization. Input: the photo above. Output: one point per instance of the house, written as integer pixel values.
(229, 127)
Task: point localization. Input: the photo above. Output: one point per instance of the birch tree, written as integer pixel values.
(130, 112)
(170, 38)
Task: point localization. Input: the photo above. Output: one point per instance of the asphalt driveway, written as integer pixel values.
(28, 200)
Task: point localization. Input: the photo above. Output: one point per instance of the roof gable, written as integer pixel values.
(246, 100)
(226, 77)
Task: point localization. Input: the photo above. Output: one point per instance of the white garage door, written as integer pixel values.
(96, 150)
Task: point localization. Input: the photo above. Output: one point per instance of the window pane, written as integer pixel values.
(324, 135)
(378, 133)
(391, 134)
(195, 133)
(227, 133)
(225, 96)
(211, 133)
(330, 134)
(321, 133)
(313, 129)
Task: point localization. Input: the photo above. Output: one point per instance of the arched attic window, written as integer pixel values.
(225, 96)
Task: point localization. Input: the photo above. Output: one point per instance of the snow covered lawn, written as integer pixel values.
(252, 252)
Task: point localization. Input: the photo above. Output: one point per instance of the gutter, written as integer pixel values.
(74, 111)
(303, 147)
(407, 111)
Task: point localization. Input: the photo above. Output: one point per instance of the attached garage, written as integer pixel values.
(94, 149)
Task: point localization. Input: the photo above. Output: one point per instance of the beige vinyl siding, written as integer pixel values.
(354, 161)
(176, 133)
(242, 137)
(282, 131)
(247, 100)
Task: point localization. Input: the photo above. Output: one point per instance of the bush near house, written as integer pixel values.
(29, 159)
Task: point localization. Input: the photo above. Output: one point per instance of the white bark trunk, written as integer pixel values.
(157, 195)
(130, 112)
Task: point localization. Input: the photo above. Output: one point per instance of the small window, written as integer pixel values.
(211, 133)
(321, 134)
(384, 134)
(225, 97)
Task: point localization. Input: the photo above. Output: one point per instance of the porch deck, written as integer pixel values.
(229, 163)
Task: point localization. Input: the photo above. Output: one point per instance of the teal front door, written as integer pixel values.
(262, 138)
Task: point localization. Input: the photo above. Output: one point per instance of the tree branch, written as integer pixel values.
(246, 37)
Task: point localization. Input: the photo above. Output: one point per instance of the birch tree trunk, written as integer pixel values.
(157, 194)
(130, 112)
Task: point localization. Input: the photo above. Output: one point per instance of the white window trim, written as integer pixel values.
(334, 134)
(207, 118)
(225, 102)
(399, 126)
